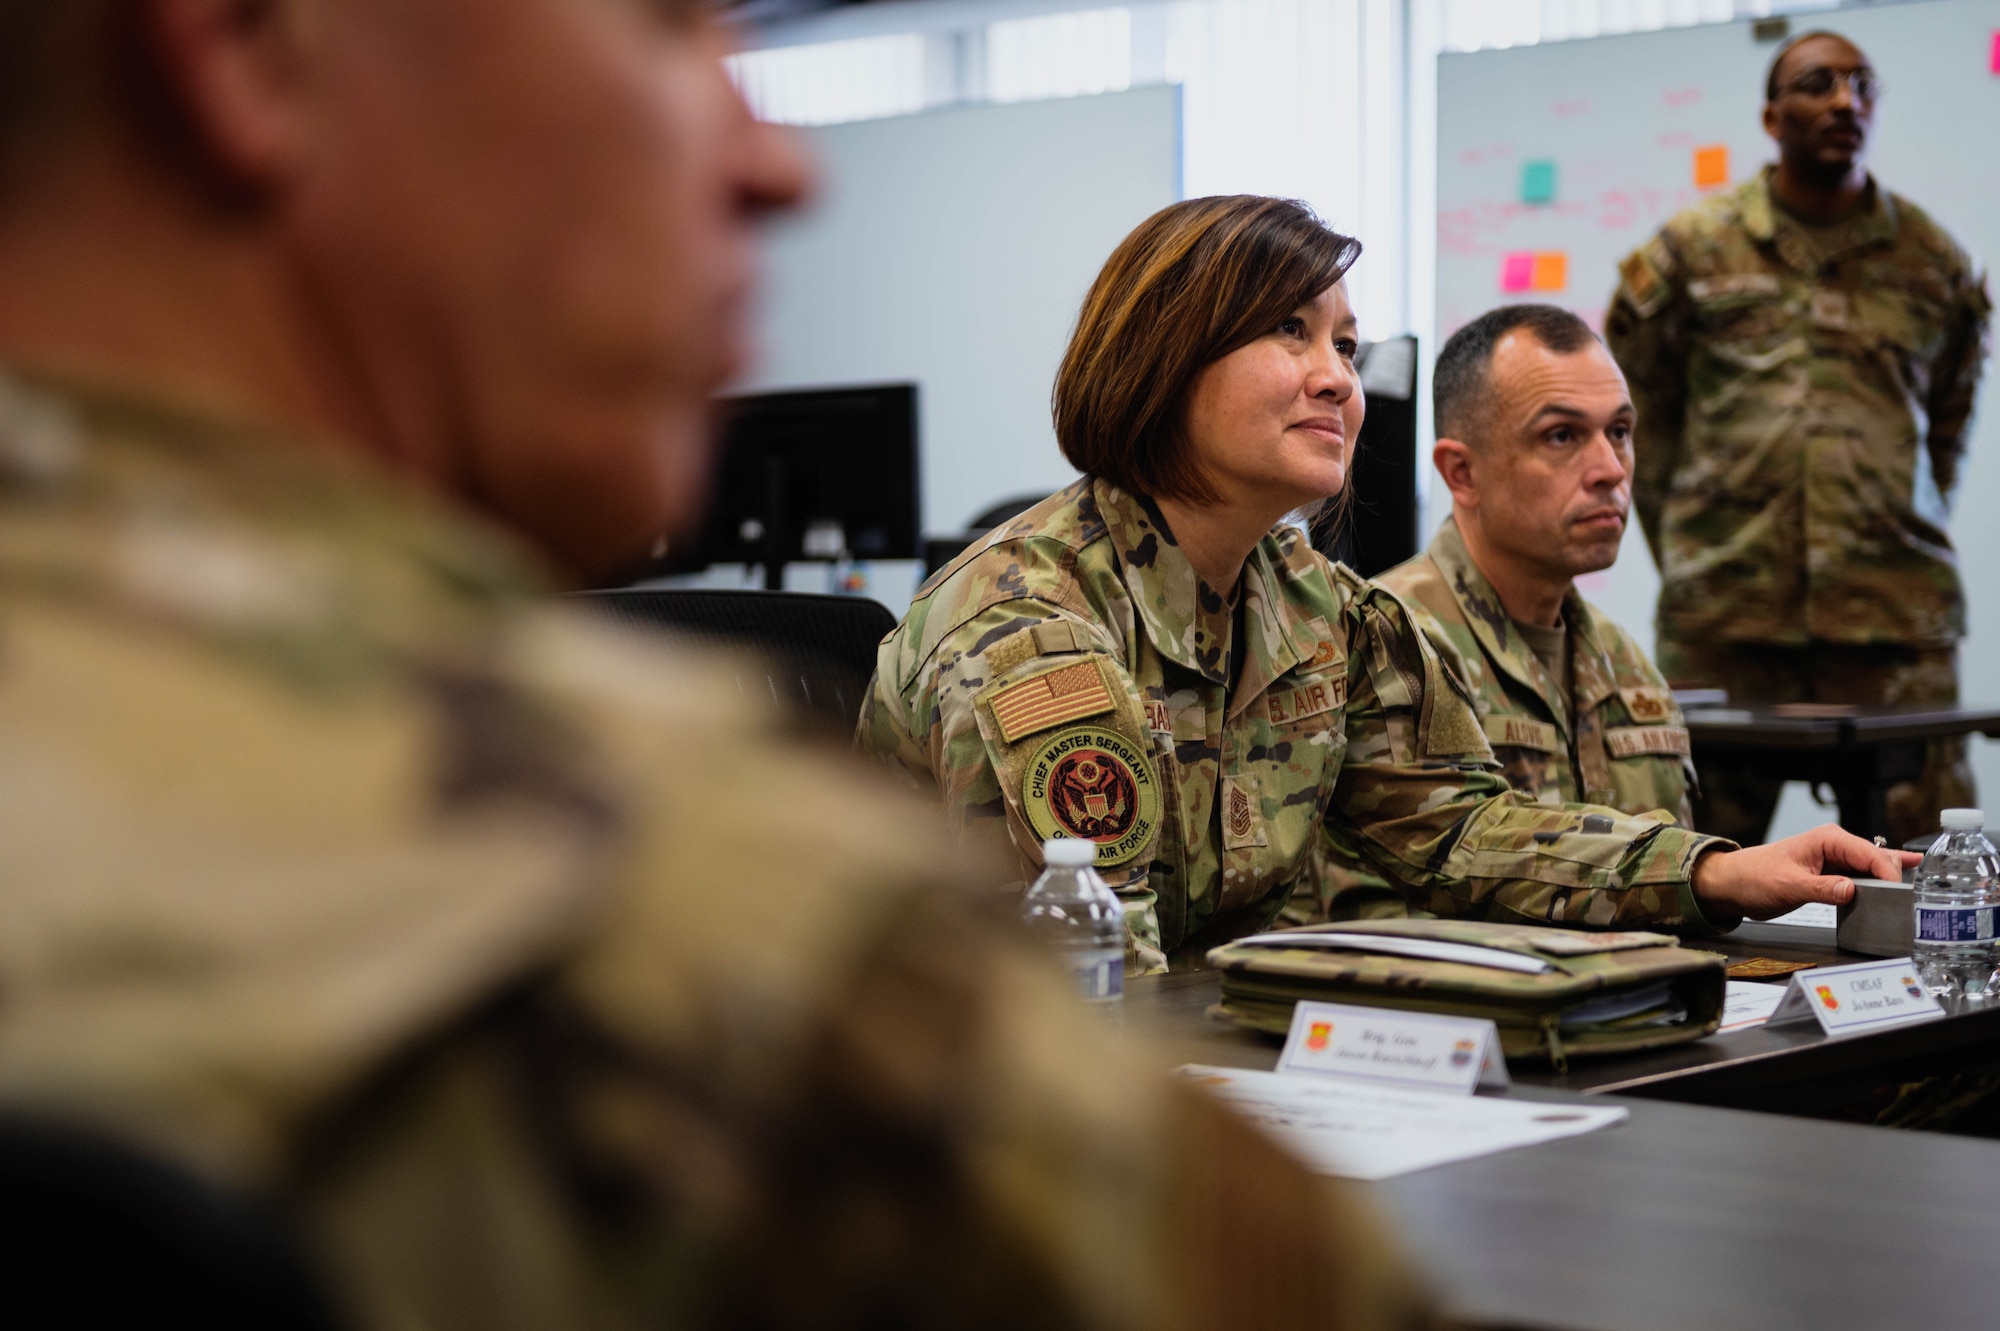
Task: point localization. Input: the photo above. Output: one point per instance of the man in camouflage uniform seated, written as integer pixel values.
(1803, 351)
(537, 978)
(1535, 442)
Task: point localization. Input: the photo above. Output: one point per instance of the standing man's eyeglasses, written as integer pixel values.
(1822, 81)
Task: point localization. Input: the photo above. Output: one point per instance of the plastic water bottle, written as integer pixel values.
(1079, 917)
(1956, 947)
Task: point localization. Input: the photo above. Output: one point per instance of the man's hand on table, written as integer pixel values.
(1761, 882)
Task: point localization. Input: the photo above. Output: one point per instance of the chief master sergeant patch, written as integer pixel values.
(1091, 783)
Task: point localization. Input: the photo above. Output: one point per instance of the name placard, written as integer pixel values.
(1394, 1048)
(1846, 999)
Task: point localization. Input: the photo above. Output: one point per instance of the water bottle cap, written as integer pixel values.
(1068, 853)
(1963, 820)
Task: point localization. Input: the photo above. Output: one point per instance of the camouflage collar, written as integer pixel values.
(1186, 620)
(1766, 222)
(1591, 679)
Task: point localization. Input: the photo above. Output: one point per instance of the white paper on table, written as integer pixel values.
(1362, 1131)
(1812, 915)
(1745, 1004)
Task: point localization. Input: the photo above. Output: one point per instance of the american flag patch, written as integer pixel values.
(1068, 694)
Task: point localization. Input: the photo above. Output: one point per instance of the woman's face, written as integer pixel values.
(1273, 423)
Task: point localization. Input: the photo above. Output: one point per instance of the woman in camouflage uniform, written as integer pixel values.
(1156, 661)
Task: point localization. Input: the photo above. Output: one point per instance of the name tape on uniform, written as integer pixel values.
(1311, 697)
(1846, 999)
(1638, 741)
(1394, 1048)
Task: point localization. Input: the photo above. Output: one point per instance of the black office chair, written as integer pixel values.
(96, 1233)
(818, 651)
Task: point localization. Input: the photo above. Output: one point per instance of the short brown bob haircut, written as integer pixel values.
(1191, 284)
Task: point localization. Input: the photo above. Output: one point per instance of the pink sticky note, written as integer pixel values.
(1517, 271)
(1993, 62)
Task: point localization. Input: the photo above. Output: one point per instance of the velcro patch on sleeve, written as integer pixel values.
(1643, 286)
(1068, 693)
(1013, 650)
(1519, 732)
(1634, 741)
(1648, 706)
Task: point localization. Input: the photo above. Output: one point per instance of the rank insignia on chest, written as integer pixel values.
(1240, 824)
(1093, 784)
(1307, 698)
(1070, 693)
(1325, 649)
(1648, 706)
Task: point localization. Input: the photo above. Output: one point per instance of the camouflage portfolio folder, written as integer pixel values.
(1552, 992)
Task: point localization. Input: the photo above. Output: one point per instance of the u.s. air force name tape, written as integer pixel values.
(1094, 784)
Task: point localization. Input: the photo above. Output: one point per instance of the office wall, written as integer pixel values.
(953, 248)
(1621, 118)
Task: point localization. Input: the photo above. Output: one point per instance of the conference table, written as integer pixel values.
(1689, 1213)
(1858, 751)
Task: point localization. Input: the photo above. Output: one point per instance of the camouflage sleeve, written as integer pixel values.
(943, 724)
(1419, 798)
(1646, 332)
(1955, 380)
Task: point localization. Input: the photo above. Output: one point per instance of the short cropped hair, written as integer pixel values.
(1194, 282)
(1771, 89)
(1460, 389)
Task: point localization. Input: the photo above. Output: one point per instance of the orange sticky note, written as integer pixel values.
(1551, 270)
(1711, 166)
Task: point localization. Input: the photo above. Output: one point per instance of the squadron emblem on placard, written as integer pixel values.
(1095, 785)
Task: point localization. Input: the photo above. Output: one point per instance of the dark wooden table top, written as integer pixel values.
(1685, 1216)
(1785, 1068)
(1688, 1215)
(1759, 727)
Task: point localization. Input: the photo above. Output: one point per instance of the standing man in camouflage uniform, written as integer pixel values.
(1535, 442)
(534, 977)
(1803, 352)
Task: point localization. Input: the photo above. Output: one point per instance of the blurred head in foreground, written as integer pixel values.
(505, 246)
(528, 968)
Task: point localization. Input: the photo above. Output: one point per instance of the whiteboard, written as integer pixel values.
(1621, 118)
(954, 248)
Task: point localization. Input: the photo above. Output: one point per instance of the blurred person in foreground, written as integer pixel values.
(1534, 442)
(1155, 660)
(538, 980)
(1803, 351)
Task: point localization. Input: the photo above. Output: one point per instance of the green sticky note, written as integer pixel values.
(1538, 182)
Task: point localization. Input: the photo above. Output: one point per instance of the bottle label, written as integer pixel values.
(1954, 924)
(1100, 976)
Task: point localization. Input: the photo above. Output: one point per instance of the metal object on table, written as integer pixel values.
(1877, 921)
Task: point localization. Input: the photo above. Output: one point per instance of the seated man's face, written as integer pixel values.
(530, 225)
(1555, 467)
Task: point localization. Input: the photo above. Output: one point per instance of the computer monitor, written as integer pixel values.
(818, 474)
